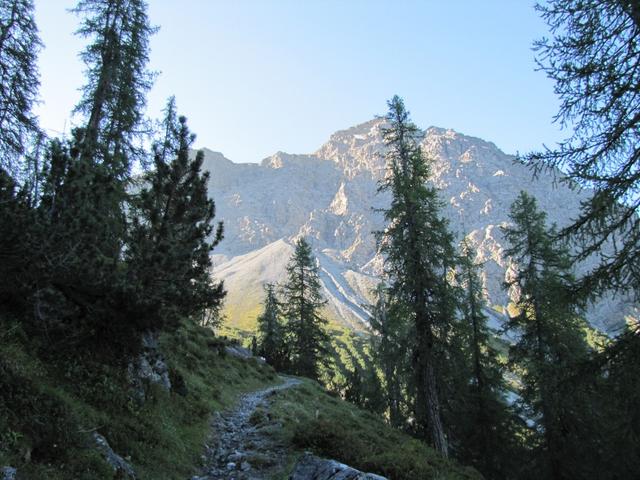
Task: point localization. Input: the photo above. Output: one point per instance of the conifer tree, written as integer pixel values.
(16, 245)
(550, 339)
(302, 301)
(113, 99)
(172, 232)
(19, 80)
(418, 249)
(485, 426)
(81, 278)
(388, 346)
(362, 383)
(83, 208)
(271, 331)
(592, 55)
(616, 405)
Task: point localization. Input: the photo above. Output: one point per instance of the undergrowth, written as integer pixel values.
(316, 421)
(49, 410)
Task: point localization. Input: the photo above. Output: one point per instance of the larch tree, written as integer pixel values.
(271, 344)
(485, 431)
(418, 249)
(114, 97)
(593, 55)
(305, 326)
(389, 352)
(19, 80)
(85, 192)
(550, 337)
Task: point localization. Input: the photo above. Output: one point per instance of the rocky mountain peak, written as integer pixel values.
(330, 197)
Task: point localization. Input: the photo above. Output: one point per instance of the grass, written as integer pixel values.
(49, 411)
(313, 420)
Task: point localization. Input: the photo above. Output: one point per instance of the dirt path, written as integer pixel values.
(237, 449)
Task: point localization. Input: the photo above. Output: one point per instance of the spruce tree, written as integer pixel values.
(172, 232)
(271, 331)
(418, 249)
(19, 80)
(305, 326)
(550, 342)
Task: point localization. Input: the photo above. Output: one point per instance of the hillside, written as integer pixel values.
(55, 408)
(330, 197)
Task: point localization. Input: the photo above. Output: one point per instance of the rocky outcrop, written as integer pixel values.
(121, 468)
(149, 368)
(8, 473)
(310, 467)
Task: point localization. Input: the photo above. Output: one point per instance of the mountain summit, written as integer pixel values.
(330, 197)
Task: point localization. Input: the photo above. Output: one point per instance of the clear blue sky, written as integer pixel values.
(258, 76)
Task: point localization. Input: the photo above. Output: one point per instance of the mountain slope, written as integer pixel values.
(330, 197)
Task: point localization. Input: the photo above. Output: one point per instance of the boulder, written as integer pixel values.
(310, 467)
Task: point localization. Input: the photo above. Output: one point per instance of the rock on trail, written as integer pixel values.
(237, 448)
(310, 467)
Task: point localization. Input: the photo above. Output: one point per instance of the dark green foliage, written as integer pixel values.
(390, 353)
(551, 341)
(79, 295)
(617, 405)
(95, 265)
(272, 345)
(418, 249)
(305, 327)
(482, 425)
(593, 57)
(172, 233)
(361, 385)
(80, 276)
(19, 80)
(16, 244)
(113, 99)
(48, 410)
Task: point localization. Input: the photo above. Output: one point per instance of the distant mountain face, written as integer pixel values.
(331, 198)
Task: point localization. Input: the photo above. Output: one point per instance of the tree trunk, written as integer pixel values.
(427, 402)
(436, 429)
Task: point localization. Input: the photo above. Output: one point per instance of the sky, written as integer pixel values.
(259, 76)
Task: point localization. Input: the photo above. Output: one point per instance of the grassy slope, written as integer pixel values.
(315, 421)
(51, 419)
(330, 427)
(163, 439)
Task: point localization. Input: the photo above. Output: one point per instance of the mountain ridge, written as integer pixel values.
(330, 196)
